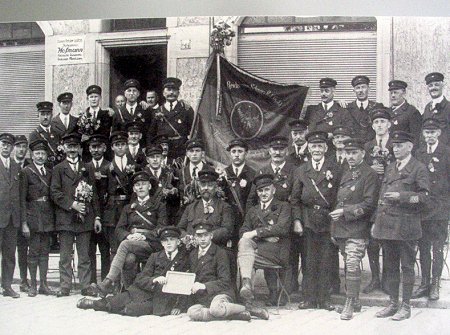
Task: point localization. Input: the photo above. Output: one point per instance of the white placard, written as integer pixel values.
(70, 50)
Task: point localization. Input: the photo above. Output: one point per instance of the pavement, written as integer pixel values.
(51, 315)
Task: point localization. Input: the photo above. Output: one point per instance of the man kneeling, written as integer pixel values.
(212, 288)
(144, 296)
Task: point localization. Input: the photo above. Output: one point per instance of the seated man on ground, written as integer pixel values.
(137, 230)
(145, 296)
(212, 296)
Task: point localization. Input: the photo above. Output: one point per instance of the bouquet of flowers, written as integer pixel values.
(221, 35)
(83, 194)
(189, 241)
(130, 169)
(86, 124)
(381, 156)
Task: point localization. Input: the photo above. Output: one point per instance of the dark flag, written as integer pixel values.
(238, 104)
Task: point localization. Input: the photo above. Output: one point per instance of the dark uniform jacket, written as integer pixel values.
(176, 123)
(438, 165)
(139, 158)
(357, 195)
(133, 215)
(273, 226)
(60, 129)
(188, 188)
(157, 265)
(442, 114)
(361, 124)
(221, 218)
(406, 118)
(308, 206)
(121, 117)
(105, 122)
(9, 194)
(120, 190)
(283, 183)
(318, 119)
(400, 219)
(36, 206)
(374, 154)
(299, 159)
(56, 154)
(62, 190)
(213, 270)
(102, 183)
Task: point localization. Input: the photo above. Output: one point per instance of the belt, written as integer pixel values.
(120, 197)
(41, 199)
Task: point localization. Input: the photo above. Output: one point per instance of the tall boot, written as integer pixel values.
(434, 289)
(390, 310)
(43, 270)
(32, 266)
(347, 312)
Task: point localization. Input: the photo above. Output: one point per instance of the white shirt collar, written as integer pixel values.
(437, 100)
(266, 204)
(274, 167)
(433, 147)
(328, 104)
(167, 105)
(172, 255)
(314, 163)
(38, 166)
(300, 150)
(142, 201)
(5, 161)
(206, 203)
(397, 107)
(365, 103)
(384, 139)
(199, 167)
(100, 161)
(204, 251)
(239, 169)
(120, 160)
(128, 107)
(47, 129)
(155, 106)
(403, 162)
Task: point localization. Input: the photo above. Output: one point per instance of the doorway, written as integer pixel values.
(147, 64)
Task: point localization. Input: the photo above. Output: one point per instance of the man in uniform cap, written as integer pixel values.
(361, 108)
(145, 296)
(213, 297)
(168, 181)
(100, 166)
(174, 117)
(46, 131)
(379, 155)
(313, 197)
(132, 111)
(64, 122)
(436, 157)
(355, 203)
(21, 150)
(38, 215)
(135, 150)
(439, 107)
(264, 239)
(404, 116)
(404, 192)
(299, 150)
(75, 217)
(327, 114)
(10, 209)
(340, 134)
(137, 233)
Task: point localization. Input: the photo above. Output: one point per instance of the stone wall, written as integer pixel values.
(420, 45)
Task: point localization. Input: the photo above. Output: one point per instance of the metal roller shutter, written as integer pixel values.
(22, 85)
(307, 57)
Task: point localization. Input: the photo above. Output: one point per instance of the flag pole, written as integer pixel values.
(219, 86)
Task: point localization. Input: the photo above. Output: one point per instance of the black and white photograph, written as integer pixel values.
(271, 171)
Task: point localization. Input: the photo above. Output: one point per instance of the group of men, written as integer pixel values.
(355, 177)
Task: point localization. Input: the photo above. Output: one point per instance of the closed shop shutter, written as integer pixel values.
(22, 85)
(304, 58)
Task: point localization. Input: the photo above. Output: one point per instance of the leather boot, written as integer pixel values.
(434, 289)
(347, 312)
(403, 313)
(258, 312)
(389, 310)
(357, 305)
(32, 266)
(104, 288)
(242, 316)
(43, 286)
(421, 291)
(246, 291)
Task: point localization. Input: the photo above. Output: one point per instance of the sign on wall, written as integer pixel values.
(70, 50)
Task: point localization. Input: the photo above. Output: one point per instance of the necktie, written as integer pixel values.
(277, 170)
(121, 163)
(380, 144)
(325, 107)
(42, 171)
(66, 122)
(339, 160)
(170, 106)
(7, 164)
(263, 207)
(97, 164)
(429, 149)
(194, 172)
(398, 165)
(317, 166)
(361, 108)
(73, 166)
(131, 111)
(155, 173)
(201, 253)
(236, 172)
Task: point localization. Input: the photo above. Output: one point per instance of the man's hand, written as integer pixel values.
(160, 280)
(97, 226)
(197, 287)
(25, 230)
(175, 311)
(298, 227)
(250, 234)
(342, 103)
(136, 237)
(144, 104)
(392, 195)
(337, 213)
(378, 168)
(79, 207)
(99, 175)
